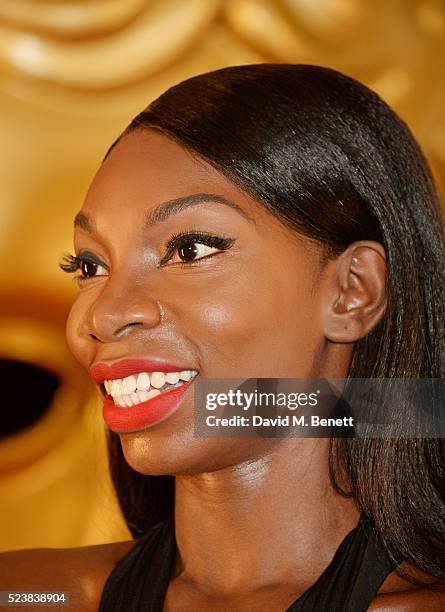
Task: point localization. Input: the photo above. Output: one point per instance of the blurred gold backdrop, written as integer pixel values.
(72, 74)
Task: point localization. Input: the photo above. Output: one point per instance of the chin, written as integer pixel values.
(183, 454)
(176, 454)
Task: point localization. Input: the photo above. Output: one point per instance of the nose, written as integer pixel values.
(115, 315)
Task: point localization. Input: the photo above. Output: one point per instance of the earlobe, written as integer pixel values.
(355, 299)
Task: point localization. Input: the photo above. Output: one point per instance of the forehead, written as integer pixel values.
(146, 168)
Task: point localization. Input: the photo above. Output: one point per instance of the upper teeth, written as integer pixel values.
(124, 390)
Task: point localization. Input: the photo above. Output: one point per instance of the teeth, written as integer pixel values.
(116, 387)
(125, 400)
(133, 399)
(172, 378)
(142, 396)
(157, 380)
(135, 389)
(143, 381)
(129, 384)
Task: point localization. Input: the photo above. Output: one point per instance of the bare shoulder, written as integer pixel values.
(397, 594)
(81, 572)
(415, 600)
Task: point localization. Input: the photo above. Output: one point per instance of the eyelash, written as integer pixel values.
(72, 263)
(194, 236)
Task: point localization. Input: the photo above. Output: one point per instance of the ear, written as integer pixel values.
(356, 292)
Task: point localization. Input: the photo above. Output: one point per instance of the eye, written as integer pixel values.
(89, 268)
(88, 264)
(188, 247)
(194, 250)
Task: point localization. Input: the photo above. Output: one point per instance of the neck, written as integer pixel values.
(262, 522)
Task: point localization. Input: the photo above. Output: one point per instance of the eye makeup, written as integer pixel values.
(88, 262)
(70, 263)
(190, 237)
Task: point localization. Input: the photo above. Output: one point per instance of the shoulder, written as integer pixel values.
(398, 594)
(414, 600)
(81, 572)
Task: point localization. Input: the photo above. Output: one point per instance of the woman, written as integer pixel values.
(273, 221)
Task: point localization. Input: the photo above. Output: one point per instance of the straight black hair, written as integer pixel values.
(328, 157)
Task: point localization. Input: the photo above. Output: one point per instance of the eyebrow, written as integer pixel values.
(166, 209)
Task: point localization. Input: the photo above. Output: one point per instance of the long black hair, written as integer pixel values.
(328, 157)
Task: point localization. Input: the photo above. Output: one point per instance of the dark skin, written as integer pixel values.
(268, 306)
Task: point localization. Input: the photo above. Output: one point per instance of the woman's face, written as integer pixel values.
(245, 303)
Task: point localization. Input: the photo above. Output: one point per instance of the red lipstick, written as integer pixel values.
(135, 418)
(144, 414)
(126, 367)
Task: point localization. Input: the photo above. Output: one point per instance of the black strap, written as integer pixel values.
(139, 581)
(352, 579)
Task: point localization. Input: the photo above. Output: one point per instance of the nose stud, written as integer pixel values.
(161, 311)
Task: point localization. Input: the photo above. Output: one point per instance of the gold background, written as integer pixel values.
(72, 74)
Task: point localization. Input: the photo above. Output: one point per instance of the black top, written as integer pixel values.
(350, 582)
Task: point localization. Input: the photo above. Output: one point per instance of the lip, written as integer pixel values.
(145, 414)
(125, 367)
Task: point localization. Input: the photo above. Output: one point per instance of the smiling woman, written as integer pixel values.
(265, 221)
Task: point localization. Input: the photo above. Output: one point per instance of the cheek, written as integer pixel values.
(258, 324)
